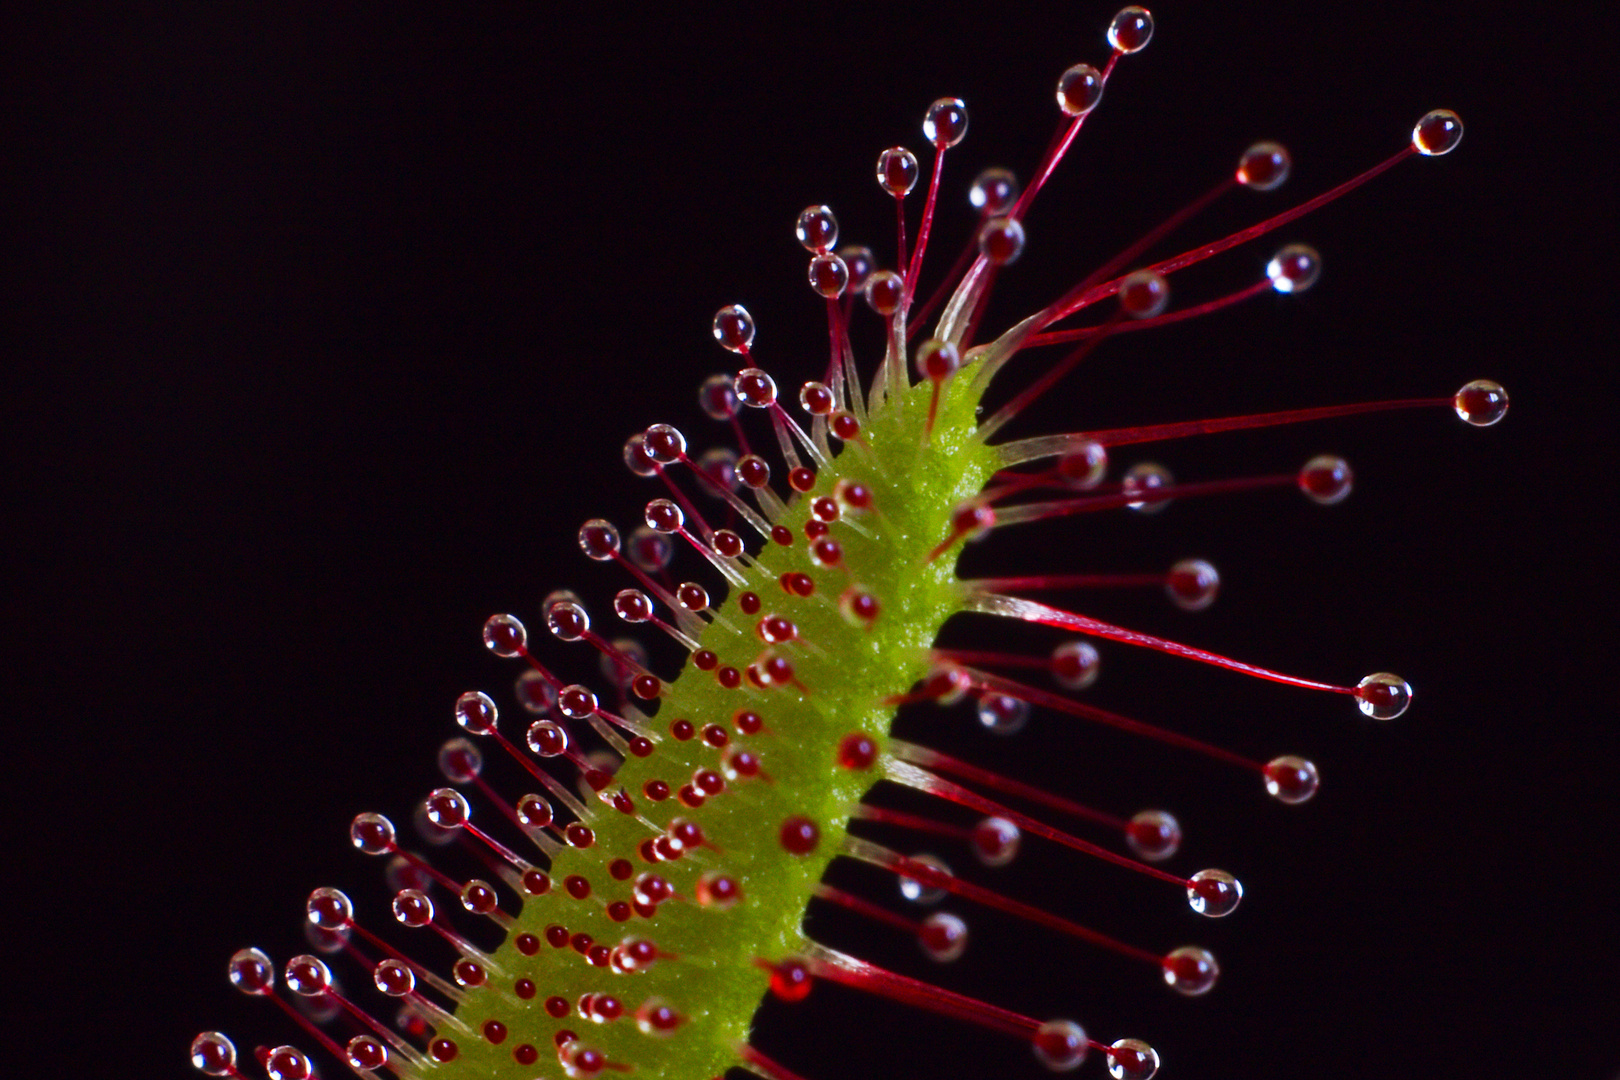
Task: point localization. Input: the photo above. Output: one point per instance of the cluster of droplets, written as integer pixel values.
(784, 561)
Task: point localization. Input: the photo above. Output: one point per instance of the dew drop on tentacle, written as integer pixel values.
(1437, 133)
(1214, 893)
(1079, 89)
(1132, 1059)
(1481, 403)
(1076, 665)
(1264, 166)
(1190, 970)
(505, 636)
(995, 841)
(994, 191)
(598, 540)
(251, 972)
(1144, 294)
(1326, 479)
(1141, 481)
(1131, 30)
(1291, 779)
(1001, 240)
(1060, 1045)
(943, 937)
(1193, 584)
(897, 171)
(1383, 696)
(734, 328)
(1003, 714)
(883, 292)
(212, 1053)
(1294, 268)
(817, 229)
(945, 123)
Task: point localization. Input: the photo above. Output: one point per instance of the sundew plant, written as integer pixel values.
(639, 815)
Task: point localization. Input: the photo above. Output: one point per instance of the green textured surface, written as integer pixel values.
(848, 669)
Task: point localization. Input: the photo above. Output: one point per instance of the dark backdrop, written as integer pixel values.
(330, 324)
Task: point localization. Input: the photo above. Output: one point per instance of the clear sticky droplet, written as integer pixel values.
(937, 360)
(665, 443)
(547, 739)
(1144, 294)
(288, 1063)
(883, 291)
(817, 229)
(1383, 696)
(633, 606)
(567, 619)
(1079, 89)
(943, 937)
(366, 1053)
(307, 975)
(329, 909)
(995, 841)
(460, 761)
(413, 908)
(636, 457)
(212, 1053)
(447, 808)
(734, 328)
(1214, 893)
(1132, 1059)
(1141, 481)
(534, 812)
(897, 171)
(1190, 970)
(994, 191)
(1481, 403)
(861, 262)
(1001, 240)
(945, 123)
(1264, 166)
(1084, 467)
(1291, 779)
(393, 978)
(1326, 479)
(717, 398)
(1437, 133)
(919, 893)
(1193, 584)
(1003, 714)
(251, 972)
(1076, 665)
(1294, 269)
(828, 276)
(755, 388)
(505, 636)
(1155, 835)
(1131, 30)
(372, 834)
(476, 713)
(1060, 1045)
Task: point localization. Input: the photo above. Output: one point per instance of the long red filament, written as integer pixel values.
(1035, 696)
(915, 266)
(1080, 333)
(925, 781)
(1084, 296)
(950, 766)
(933, 877)
(1030, 611)
(836, 967)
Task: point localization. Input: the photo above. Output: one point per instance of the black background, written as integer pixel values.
(331, 322)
